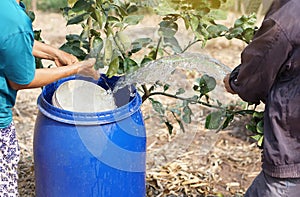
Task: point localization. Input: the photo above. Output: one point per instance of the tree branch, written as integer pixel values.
(240, 112)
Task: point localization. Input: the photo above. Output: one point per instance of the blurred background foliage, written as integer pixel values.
(47, 5)
(240, 6)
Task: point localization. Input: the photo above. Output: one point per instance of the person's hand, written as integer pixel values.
(45, 51)
(86, 68)
(227, 85)
(64, 59)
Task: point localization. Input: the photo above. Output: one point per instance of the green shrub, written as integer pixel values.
(51, 5)
(27, 3)
(47, 5)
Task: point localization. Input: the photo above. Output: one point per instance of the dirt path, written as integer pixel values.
(195, 163)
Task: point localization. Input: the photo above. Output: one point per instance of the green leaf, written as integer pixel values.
(95, 33)
(186, 20)
(109, 31)
(248, 34)
(136, 47)
(195, 99)
(144, 41)
(95, 52)
(113, 67)
(174, 112)
(251, 127)
(81, 5)
(214, 120)
(130, 65)
(187, 113)
(169, 126)
(99, 17)
(194, 22)
(145, 61)
(98, 44)
(258, 115)
(108, 52)
(252, 19)
(113, 19)
(239, 22)
(207, 84)
(37, 35)
(219, 195)
(229, 118)
(180, 125)
(256, 137)
(99, 63)
(72, 37)
(123, 41)
(138, 44)
(119, 8)
(173, 44)
(157, 106)
(38, 63)
(180, 91)
(222, 28)
(72, 2)
(216, 30)
(73, 47)
(260, 127)
(31, 15)
(167, 29)
(244, 28)
(132, 8)
(78, 19)
(133, 19)
(260, 141)
(236, 32)
(166, 87)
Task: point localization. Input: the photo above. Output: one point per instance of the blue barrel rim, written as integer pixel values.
(84, 118)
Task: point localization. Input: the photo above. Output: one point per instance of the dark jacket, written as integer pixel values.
(270, 72)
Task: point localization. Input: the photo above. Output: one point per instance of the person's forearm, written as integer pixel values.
(46, 76)
(43, 51)
(61, 58)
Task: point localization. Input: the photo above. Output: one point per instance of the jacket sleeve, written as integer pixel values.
(261, 60)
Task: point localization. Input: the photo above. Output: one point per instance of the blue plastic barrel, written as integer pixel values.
(90, 154)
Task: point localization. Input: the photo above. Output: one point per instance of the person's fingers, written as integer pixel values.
(73, 59)
(227, 85)
(70, 59)
(226, 79)
(65, 59)
(58, 63)
(87, 68)
(86, 63)
(89, 73)
(89, 62)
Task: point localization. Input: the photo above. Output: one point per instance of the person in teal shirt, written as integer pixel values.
(16, 59)
(17, 71)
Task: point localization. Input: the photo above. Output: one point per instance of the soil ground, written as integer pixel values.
(195, 163)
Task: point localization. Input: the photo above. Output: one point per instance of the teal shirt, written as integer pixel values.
(16, 60)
